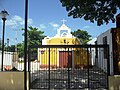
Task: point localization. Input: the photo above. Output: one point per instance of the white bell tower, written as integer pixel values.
(62, 28)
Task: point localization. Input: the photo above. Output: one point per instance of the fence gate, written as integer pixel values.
(69, 67)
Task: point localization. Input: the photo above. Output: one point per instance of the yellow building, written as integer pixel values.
(59, 56)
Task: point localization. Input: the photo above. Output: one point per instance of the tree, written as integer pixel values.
(82, 35)
(35, 37)
(101, 11)
(20, 49)
(10, 48)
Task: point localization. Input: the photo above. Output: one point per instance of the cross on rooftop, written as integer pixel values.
(63, 21)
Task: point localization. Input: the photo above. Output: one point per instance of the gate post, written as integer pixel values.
(29, 67)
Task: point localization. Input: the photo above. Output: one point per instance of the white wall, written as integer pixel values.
(13, 81)
(92, 42)
(101, 61)
(7, 58)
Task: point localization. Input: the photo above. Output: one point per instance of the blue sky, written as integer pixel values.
(46, 15)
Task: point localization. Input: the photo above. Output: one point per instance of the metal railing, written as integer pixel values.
(68, 66)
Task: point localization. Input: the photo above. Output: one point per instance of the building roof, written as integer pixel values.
(62, 32)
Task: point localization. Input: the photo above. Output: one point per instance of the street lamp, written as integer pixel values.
(3, 14)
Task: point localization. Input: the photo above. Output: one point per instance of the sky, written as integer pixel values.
(45, 15)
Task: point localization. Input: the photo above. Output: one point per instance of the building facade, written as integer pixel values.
(59, 56)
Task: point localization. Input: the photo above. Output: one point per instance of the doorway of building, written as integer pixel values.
(64, 56)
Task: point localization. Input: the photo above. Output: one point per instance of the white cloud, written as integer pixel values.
(86, 27)
(11, 23)
(54, 25)
(30, 21)
(42, 26)
(18, 18)
(17, 21)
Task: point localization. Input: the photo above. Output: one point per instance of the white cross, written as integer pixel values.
(63, 21)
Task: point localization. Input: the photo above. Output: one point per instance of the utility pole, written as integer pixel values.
(25, 45)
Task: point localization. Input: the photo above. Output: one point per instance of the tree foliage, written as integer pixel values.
(20, 49)
(10, 48)
(82, 35)
(101, 11)
(35, 37)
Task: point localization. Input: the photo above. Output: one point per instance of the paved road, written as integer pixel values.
(74, 79)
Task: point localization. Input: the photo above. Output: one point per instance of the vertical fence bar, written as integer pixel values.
(49, 67)
(108, 65)
(68, 70)
(88, 67)
(90, 63)
(96, 53)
